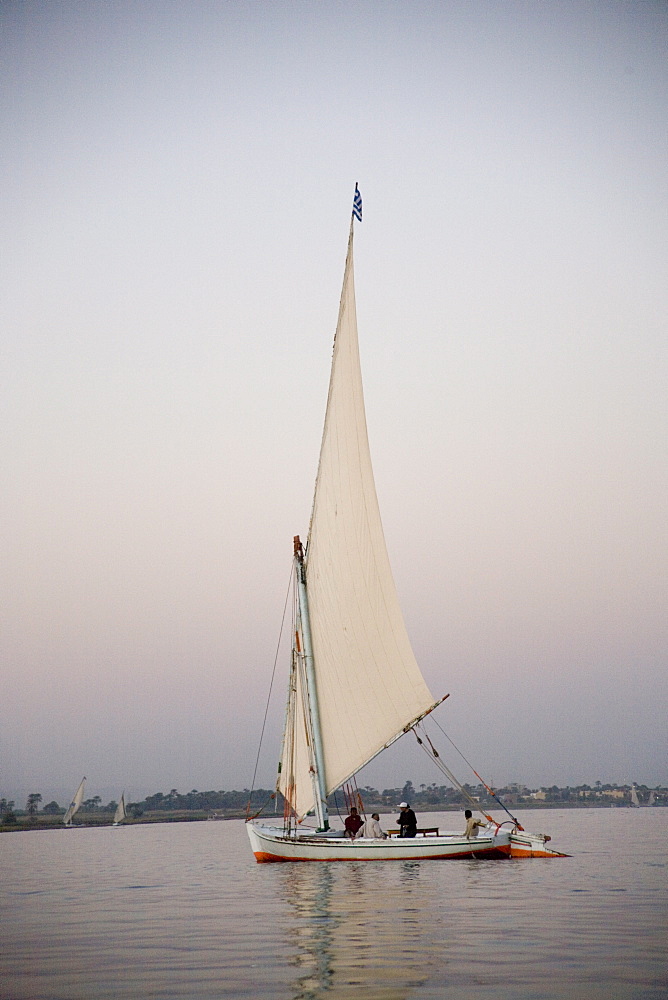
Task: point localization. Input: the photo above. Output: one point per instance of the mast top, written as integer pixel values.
(357, 204)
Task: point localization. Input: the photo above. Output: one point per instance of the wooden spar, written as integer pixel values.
(311, 693)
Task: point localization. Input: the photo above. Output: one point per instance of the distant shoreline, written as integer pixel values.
(87, 821)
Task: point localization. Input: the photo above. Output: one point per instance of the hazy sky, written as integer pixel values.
(177, 181)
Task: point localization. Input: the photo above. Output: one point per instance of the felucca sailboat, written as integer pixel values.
(354, 686)
(75, 804)
(120, 814)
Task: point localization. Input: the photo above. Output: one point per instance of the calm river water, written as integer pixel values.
(183, 911)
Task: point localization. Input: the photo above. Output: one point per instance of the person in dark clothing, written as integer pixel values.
(353, 823)
(407, 821)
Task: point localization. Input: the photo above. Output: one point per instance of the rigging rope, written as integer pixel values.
(266, 711)
(353, 796)
(434, 754)
(262, 807)
(456, 783)
(489, 790)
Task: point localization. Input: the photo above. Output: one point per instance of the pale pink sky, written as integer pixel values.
(176, 190)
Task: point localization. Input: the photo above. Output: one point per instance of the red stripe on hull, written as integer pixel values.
(526, 852)
(490, 853)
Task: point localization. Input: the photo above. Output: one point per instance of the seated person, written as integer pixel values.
(371, 829)
(472, 825)
(353, 822)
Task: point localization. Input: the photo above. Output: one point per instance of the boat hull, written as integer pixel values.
(270, 845)
(531, 845)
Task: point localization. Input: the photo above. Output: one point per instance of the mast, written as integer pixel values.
(318, 774)
(358, 686)
(311, 694)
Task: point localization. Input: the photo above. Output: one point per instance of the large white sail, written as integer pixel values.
(75, 804)
(368, 684)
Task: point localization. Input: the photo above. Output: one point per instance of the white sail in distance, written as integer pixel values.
(75, 804)
(369, 686)
(119, 815)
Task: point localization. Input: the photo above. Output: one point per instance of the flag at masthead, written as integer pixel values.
(357, 204)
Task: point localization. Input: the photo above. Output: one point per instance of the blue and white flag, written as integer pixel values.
(357, 204)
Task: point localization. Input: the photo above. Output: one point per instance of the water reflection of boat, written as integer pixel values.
(382, 952)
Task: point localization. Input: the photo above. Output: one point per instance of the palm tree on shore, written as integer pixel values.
(32, 805)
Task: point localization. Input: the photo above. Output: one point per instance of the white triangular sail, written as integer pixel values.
(75, 804)
(119, 815)
(369, 686)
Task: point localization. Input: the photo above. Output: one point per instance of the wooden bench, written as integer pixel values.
(424, 831)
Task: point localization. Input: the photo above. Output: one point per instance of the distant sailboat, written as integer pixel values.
(652, 798)
(75, 804)
(120, 814)
(354, 686)
(635, 802)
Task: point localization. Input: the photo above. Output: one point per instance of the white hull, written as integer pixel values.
(270, 844)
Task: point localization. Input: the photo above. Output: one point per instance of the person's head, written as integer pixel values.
(353, 811)
(467, 814)
(375, 816)
(403, 805)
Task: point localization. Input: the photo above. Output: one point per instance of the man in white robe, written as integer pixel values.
(371, 829)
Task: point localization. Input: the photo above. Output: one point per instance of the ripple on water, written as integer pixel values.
(182, 910)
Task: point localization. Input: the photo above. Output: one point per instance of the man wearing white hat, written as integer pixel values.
(407, 821)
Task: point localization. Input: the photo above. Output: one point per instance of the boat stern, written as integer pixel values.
(532, 845)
